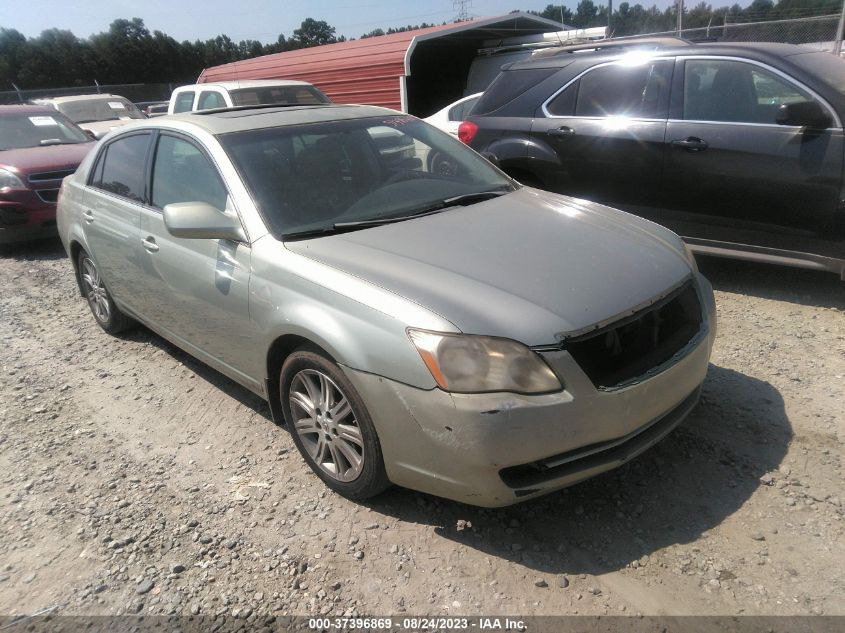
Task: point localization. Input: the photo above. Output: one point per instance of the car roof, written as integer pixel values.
(70, 98)
(9, 110)
(240, 119)
(247, 83)
(562, 56)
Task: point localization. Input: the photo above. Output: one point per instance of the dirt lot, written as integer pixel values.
(133, 479)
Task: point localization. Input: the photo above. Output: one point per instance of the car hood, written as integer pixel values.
(101, 128)
(530, 266)
(31, 160)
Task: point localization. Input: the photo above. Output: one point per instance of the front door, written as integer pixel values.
(607, 129)
(732, 173)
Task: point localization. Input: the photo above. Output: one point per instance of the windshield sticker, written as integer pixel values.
(116, 105)
(42, 121)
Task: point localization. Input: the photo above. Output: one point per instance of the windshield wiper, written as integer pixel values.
(431, 209)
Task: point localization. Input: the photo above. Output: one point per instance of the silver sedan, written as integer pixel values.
(412, 315)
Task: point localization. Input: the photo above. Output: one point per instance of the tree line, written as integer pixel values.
(627, 19)
(129, 53)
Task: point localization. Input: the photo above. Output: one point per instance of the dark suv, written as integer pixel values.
(737, 147)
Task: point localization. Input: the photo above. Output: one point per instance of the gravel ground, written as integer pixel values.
(134, 479)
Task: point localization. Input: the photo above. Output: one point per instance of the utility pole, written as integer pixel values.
(609, 15)
(462, 6)
(680, 16)
(837, 45)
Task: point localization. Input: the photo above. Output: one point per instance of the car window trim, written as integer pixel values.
(681, 59)
(101, 156)
(616, 62)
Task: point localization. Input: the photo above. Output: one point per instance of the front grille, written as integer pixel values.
(629, 348)
(47, 176)
(48, 195)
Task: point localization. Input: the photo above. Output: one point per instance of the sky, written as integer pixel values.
(261, 20)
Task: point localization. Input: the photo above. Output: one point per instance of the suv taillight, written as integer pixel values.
(466, 131)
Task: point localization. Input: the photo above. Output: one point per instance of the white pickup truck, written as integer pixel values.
(228, 94)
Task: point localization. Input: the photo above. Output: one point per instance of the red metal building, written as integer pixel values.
(416, 71)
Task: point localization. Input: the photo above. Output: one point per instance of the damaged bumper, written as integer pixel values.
(497, 449)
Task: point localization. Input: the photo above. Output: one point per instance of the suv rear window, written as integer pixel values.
(508, 86)
(622, 90)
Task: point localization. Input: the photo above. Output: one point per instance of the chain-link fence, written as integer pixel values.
(137, 93)
(817, 32)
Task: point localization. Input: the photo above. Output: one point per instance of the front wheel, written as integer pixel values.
(106, 313)
(331, 426)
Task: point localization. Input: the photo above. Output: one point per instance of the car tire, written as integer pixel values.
(107, 315)
(441, 165)
(335, 435)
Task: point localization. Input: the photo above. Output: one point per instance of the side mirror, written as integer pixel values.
(200, 220)
(805, 114)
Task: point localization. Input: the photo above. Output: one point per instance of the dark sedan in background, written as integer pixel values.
(38, 147)
(737, 147)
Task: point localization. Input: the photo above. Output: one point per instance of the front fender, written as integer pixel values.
(360, 325)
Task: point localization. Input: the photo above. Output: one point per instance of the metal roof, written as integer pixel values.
(369, 70)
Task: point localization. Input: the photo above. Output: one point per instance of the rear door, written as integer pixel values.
(198, 289)
(732, 173)
(112, 213)
(607, 129)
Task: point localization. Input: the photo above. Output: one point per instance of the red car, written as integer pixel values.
(38, 147)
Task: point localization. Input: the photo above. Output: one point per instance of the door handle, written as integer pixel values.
(561, 131)
(88, 216)
(691, 144)
(150, 244)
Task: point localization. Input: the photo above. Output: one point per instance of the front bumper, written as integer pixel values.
(25, 216)
(497, 449)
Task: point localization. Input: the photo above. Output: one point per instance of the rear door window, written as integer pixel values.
(624, 90)
(210, 99)
(121, 168)
(184, 102)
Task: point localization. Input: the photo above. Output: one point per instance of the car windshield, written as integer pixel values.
(38, 129)
(100, 109)
(343, 175)
(281, 95)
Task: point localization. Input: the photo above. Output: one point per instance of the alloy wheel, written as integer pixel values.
(95, 291)
(326, 424)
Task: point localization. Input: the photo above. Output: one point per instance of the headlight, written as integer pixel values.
(8, 179)
(476, 364)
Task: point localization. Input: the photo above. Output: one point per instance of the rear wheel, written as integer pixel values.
(106, 313)
(331, 426)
